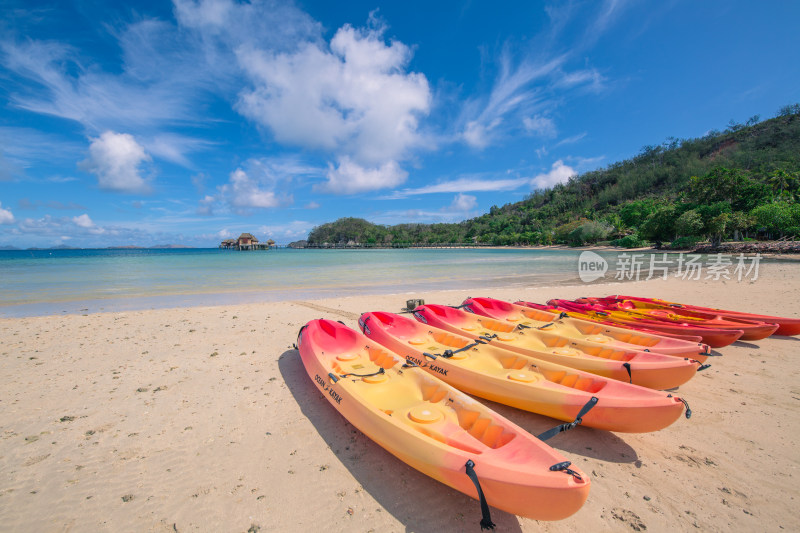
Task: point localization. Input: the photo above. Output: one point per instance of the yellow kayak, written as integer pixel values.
(647, 369)
(438, 430)
(523, 382)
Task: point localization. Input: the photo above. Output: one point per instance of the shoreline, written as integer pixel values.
(401, 282)
(188, 418)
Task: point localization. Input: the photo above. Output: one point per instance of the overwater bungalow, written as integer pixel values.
(246, 241)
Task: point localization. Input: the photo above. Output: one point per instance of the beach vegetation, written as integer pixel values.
(741, 182)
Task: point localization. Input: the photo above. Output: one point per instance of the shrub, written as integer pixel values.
(683, 243)
(629, 241)
(589, 232)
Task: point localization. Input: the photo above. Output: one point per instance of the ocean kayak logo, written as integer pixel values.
(591, 266)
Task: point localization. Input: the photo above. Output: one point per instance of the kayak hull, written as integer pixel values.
(714, 337)
(751, 331)
(786, 326)
(585, 330)
(647, 369)
(523, 382)
(605, 321)
(436, 429)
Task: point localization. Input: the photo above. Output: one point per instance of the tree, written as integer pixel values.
(689, 224)
(740, 222)
(780, 181)
(715, 228)
(660, 224)
(788, 110)
(635, 212)
(777, 217)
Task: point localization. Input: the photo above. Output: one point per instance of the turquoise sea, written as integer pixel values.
(43, 282)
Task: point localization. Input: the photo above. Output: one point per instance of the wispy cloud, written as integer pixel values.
(570, 140)
(289, 231)
(528, 89)
(462, 206)
(464, 184)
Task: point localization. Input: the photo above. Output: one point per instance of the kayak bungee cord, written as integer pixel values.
(550, 433)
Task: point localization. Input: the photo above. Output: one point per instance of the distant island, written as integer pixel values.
(130, 247)
(740, 184)
(154, 247)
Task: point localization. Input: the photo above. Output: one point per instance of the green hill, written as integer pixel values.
(740, 182)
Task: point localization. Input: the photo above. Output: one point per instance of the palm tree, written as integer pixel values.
(780, 181)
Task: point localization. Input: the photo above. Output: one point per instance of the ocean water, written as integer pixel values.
(43, 282)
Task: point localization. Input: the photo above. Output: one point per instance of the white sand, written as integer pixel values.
(203, 419)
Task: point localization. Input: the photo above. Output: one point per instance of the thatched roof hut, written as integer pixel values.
(246, 239)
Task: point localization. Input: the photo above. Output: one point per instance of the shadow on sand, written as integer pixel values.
(581, 441)
(415, 500)
(747, 345)
(785, 338)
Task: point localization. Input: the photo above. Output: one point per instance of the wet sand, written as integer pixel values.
(203, 419)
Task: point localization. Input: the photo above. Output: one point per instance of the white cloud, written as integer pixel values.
(351, 99)
(6, 216)
(351, 178)
(83, 221)
(206, 206)
(81, 230)
(463, 202)
(225, 25)
(262, 183)
(290, 231)
(539, 125)
(559, 173)
(245, 192)
(115, 159)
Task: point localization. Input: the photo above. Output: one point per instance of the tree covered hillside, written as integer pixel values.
(741, 182)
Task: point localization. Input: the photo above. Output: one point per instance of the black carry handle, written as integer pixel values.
(486, 520)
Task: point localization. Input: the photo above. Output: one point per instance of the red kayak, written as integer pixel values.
(607, 322)
(753, 330)
(786, 326)
(714, 337)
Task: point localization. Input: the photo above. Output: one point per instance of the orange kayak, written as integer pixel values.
(438, 430)
(752, 331)
(647, 369)
(585, 330)
(714, 337)
(600, 320)
(520, 381)
(786, 326)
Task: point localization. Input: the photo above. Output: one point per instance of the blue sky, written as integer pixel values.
(188, 122)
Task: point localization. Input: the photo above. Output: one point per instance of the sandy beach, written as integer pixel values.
(203, 419)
